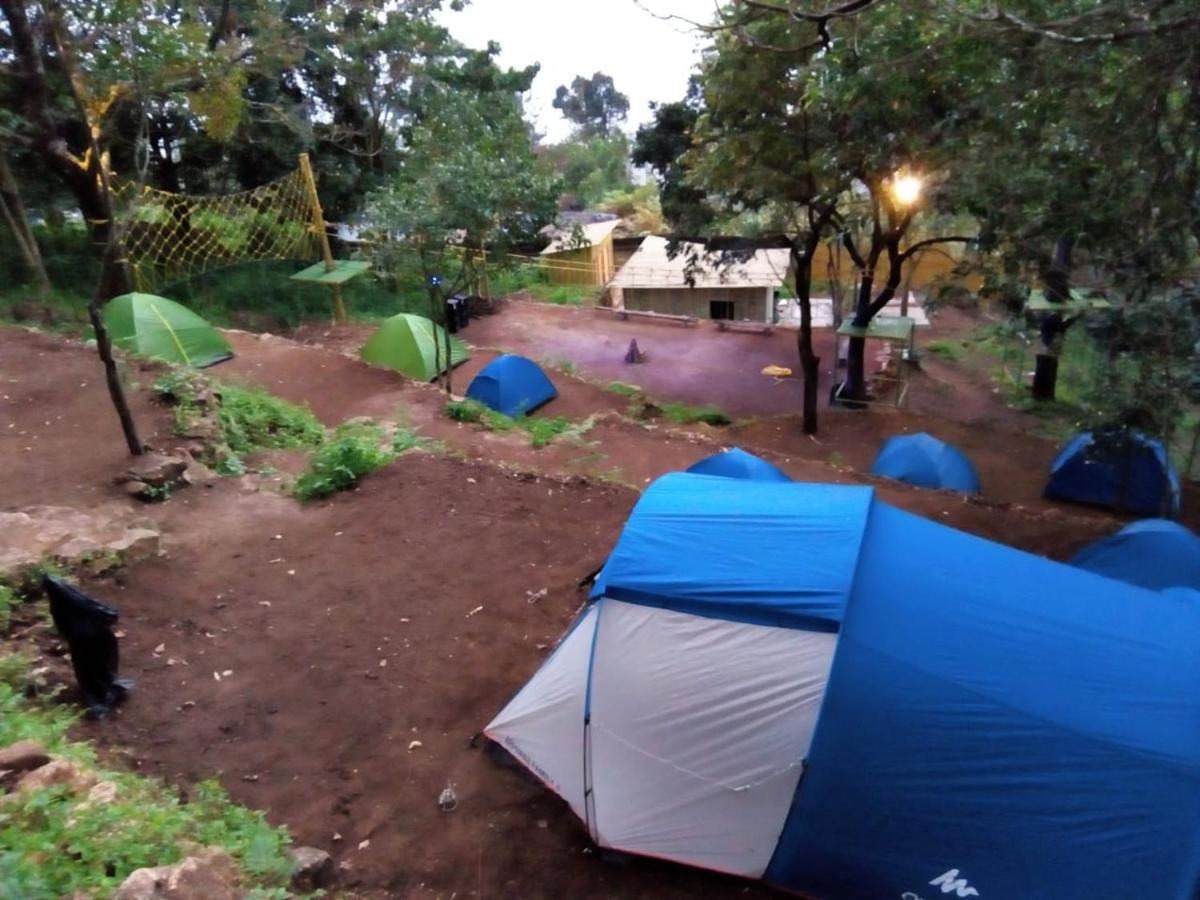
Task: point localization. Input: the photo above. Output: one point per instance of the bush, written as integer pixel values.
(541, 431)
(544, 431)
(682, 414)
(53, 847)
(622, 389)
(948, 350)
(251, 419)
(354, 452)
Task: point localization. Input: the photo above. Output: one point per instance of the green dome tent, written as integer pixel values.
(150, 325)
(405, 343)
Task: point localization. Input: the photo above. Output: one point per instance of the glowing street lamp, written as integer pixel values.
(907, 189)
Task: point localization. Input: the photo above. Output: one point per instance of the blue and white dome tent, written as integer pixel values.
(925, 461)
(770, 683)
(1151, 553)
(737, 463)
(512, 385)
(1121, 470)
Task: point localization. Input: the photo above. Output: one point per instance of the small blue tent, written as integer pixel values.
(1132, 472)
(1153, 553)
(512, 385)
(769, 682)
(737, 463)
(925, 461)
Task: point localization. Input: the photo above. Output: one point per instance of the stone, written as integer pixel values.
(203, 428)
(313, 866)
(210, 875)
(155, 469)
(199, 475)
(23, 756)
(54, 773)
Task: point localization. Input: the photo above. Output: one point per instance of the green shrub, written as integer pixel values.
(465, 410)
(682, 414)
(406, 439)
(622, 389)
(8, 602)
(354, 452)
(53, 847)
(251, 419)
(949, 350)
(543, 431)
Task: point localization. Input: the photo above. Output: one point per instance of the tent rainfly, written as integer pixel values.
(927, 462)
(971, 719)
(405, 342)
(737, 463)
(512, 385)
(1124, 470)
(1154, 553)
(154, 326)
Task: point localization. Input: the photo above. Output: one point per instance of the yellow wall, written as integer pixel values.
(931, 265)
(587, 265)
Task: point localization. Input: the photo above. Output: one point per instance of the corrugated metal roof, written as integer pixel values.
(650, 267)
(593, 233)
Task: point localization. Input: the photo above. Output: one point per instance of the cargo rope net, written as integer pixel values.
(173, 237)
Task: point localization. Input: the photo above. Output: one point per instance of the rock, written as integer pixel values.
(36, 534)
(313, 866)
(199, 475)
(211, 875)
(101, 794)
(135, 544)
(23, 756)
(155, 469)
(203, 428)
(54, 773)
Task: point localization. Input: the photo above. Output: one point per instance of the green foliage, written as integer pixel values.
(593, 104)
(8, 602)
(622, 389)
(353, 452)
(589, 169)
(541, 430)
(948, 350)
(683, 414)
(53, 847)
(534, 280)
(252, 419)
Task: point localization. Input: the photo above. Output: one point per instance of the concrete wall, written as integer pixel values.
(753, 303)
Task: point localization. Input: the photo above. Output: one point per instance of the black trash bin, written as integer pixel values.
(452, 304)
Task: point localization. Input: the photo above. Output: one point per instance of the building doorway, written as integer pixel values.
(720, 309)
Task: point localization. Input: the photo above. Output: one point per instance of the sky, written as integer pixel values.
(648, 59)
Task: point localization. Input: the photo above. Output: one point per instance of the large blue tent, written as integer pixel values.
(512, 385)
(737, 463)
(1130, 471)
(1152, 553)
(770, 682)
(925, 461)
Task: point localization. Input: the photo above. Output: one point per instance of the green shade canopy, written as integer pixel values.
(149, 325)
(1038, 303)
(343, 270)
(405, 343)
(882, 328)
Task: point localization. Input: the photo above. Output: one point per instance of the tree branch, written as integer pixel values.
(929, 242)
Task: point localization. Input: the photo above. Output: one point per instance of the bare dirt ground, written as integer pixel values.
(352, 628)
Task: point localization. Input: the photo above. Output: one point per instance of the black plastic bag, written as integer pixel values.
(86, 625)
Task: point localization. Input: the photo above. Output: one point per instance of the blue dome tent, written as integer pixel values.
(737, 463)
(925, 461)
(512, 385)
(1132, 472)
(993, 724)
(1153, 553)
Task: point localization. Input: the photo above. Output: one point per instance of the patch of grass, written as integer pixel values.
(621, 389)
(252, 419)
(353, 452)
(683, 414)
(544, 431)
(53, 847)
(541, 430)
(948, 350)
(406, 439)
(8, 602)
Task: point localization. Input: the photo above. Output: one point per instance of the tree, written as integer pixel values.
(593, 104)
(589, 168)
(662, 145)
(469, 185)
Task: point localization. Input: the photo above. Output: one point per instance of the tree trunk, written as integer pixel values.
(104, 347)
(18, 222)
(810, 363)
(1057, 280)
(854, 390)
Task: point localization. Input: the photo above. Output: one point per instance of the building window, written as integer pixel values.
(720, 309)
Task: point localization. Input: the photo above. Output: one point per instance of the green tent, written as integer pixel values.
(155, 326)
(405, 343)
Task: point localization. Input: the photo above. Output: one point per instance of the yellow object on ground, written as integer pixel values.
(777, 371)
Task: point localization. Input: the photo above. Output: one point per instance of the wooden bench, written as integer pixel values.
(685, 321)
(746, 326)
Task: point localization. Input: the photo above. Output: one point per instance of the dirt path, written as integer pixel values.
(364, 641)
(60, 440)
